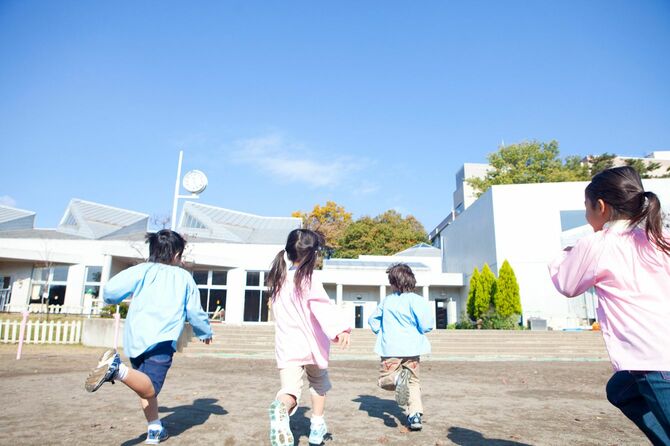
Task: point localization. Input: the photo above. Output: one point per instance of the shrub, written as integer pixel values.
(506, 298)
(484, 299)
(465, 323)
(109, 310)
(475, 288)
(496, 321)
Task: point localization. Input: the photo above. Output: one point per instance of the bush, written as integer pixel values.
(109, 310)
(506, 298)
(465, 323)
(495, 321)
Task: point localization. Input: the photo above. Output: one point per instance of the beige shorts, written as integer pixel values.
(292, 381)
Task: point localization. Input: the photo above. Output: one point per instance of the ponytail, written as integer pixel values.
(652, 215)
(277, 274)
(621, 188)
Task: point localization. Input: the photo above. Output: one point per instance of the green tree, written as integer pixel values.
(507, 299)
(484, 301)
(646, 169)
(475, 288)
(331, 220)
(385, 234)
(598, 163)
(530, 162)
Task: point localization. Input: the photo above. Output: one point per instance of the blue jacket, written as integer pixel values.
(164, 297)
(400, 323)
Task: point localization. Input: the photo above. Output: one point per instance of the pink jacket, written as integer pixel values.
(632, 280)
(305, 325)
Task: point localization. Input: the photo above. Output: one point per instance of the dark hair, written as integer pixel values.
(621, 188)
(302, 245)
(401, 278)
(165, 246)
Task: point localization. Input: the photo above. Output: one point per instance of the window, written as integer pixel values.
(256, 297)
(212, 285)
(92, 283)
(49, 285)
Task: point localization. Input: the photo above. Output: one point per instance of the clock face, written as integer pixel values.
(195, 181)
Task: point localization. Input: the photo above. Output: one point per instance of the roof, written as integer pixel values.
(14, 219)
(96, 221)
(369, 264)
(420, 250)
(210, 222)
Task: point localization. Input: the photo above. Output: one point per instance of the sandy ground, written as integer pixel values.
(224, 402)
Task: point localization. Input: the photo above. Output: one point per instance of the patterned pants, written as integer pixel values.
(389, 368)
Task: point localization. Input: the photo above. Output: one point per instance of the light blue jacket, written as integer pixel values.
(164, 297)
(400, 323)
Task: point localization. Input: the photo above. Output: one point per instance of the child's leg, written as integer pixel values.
(655, 388)
(415, 405)
(624, 393)
(388, 373)
(284, 405)
(319, 385)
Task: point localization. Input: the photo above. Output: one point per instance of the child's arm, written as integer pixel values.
(195, 315)
(423, 314)
(330, 319)
(121, 286)
(375, 321)
(573, 272)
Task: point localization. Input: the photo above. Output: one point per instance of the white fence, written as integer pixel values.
(41, 332)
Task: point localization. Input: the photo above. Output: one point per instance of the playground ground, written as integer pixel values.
(223, 401)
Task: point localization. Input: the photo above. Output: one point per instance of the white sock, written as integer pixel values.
(317, 420)
(155, 425)
(122, 372)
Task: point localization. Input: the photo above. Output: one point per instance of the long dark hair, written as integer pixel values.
(621, 188)
(165, 246)
(302, 245)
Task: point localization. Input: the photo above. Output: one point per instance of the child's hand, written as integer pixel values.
(343, 339)
(206, 341)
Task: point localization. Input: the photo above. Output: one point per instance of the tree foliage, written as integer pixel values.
(475, 288)
(530, 162)
(484, 301)
(331, 220)
(385, 234)
(507, 299)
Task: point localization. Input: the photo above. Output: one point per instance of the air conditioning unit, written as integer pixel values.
(537, 323)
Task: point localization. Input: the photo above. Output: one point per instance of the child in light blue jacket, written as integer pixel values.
(400, 323)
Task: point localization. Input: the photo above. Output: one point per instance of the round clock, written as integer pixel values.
(195, 181)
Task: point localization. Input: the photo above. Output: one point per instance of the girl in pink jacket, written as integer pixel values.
(627, 261)
(305, 324)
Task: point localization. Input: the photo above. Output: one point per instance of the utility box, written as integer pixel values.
(537, 323)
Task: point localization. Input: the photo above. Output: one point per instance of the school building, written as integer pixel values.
(229, 253)
(527, 225)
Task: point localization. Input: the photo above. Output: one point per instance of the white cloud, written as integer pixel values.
(6, 200)
(292, 162)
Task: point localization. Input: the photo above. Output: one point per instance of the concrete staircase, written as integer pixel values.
(257, 341)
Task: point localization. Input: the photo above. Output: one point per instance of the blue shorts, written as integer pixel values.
(155, 363)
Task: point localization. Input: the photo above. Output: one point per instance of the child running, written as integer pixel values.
(164, 296)
(627, 261)
(305, 324)
(401, 322)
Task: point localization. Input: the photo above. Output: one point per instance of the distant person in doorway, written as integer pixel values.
(306, 322)
(401, 322)
(164, 297)
(627, 261)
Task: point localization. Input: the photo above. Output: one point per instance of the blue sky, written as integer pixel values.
(374, 105)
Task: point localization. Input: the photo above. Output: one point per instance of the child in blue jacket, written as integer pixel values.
(400, 323)
(164, 297)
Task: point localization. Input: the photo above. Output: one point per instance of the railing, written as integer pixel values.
(41, 332)
(93, 310)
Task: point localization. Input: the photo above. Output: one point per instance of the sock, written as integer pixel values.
(317, 420)
(122, 372)
(155, 425)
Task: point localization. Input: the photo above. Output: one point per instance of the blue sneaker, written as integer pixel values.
(155, 436)
(414, 421)
(280, 428)
(108, 366)
(402, 387)
(317, 432)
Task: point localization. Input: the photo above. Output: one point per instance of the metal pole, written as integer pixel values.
(173, 221)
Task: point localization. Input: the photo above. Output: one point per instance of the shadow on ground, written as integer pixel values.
(386, 410)
(182, 418)
(467, 437)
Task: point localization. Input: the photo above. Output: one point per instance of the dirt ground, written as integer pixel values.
(217, 401)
